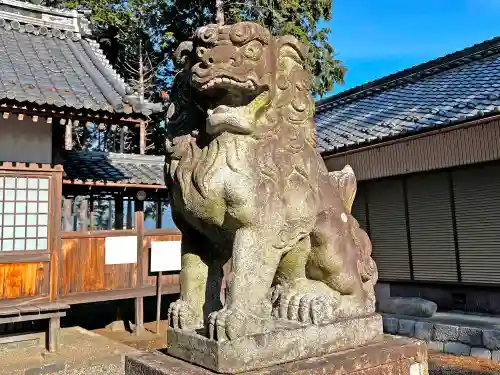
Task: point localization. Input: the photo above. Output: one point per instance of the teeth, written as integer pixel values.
(228, 81)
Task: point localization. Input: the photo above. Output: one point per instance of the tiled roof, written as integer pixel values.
(49, 58)
(452, 89)
(113, 167)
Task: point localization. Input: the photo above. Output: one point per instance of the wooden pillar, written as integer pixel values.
(68, 136)
(129, 214)
(142, 138)
(139, 302)
(119, 211)
(67, 225)
(123, 130)
(84, 207)
(110, 213)
(92, 217)
(159, 213)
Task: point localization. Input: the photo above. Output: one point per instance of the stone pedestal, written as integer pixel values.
(288, 343)
(390, 356)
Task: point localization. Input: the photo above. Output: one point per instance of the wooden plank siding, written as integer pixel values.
(82, 268)
(467, 144)
(24, 280)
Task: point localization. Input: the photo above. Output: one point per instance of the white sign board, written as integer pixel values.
(120, 250)
(165, 256)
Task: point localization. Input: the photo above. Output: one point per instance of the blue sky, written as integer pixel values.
(375, 38)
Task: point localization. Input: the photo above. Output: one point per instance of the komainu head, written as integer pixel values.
(240, 71)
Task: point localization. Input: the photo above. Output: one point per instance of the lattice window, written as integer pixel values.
(24, 213)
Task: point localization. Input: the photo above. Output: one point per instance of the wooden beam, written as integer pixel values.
(55, 235)
(68, 136)
(139, 302)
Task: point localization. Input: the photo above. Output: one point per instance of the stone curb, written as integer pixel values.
(447, 338)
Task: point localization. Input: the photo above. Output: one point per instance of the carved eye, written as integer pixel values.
(208, 34)
(240, 32)
(200, 51)
(253, 50)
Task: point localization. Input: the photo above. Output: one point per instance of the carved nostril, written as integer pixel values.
(210, 60)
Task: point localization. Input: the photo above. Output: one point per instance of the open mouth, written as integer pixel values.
(228, 83)
(225, 92)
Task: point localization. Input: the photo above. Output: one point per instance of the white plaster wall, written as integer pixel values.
(25, 140)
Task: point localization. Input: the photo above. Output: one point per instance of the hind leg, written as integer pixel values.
(334, 260)
(296, 297)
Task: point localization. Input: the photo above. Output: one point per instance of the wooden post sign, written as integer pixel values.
(165, 256)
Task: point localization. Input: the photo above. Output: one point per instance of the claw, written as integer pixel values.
(293, 308)
(283, 307)
(305, 308)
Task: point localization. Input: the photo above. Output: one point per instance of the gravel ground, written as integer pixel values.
(95, 370)
(440, 364)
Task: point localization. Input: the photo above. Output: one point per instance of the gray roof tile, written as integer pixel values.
(442, 92)
(114, 167)
(59, 65)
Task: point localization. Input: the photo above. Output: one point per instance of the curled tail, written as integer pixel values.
(346, 184)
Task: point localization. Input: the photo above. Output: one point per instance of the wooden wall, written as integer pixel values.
(83, 269)
(19, 280)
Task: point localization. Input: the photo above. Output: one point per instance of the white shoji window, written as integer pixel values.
(24, 213)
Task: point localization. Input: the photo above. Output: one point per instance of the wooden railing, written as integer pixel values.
(84, 276)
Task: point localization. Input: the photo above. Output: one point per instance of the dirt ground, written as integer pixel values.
(440, 364)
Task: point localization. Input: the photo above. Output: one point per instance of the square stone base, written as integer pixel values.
(285, 344)
(390, 356)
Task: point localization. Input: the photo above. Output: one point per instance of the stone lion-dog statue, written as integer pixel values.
(258, 210)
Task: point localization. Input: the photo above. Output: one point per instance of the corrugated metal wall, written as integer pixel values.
(477, 203)
(431, 227)
(386, 212)
(446, 215)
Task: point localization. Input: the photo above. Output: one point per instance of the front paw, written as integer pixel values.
(230, 324)
(181, 315)
(307, 308)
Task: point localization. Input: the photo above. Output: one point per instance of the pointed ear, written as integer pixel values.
(345, 180)
(289, 46)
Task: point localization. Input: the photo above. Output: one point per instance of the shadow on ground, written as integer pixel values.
(98, 315)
